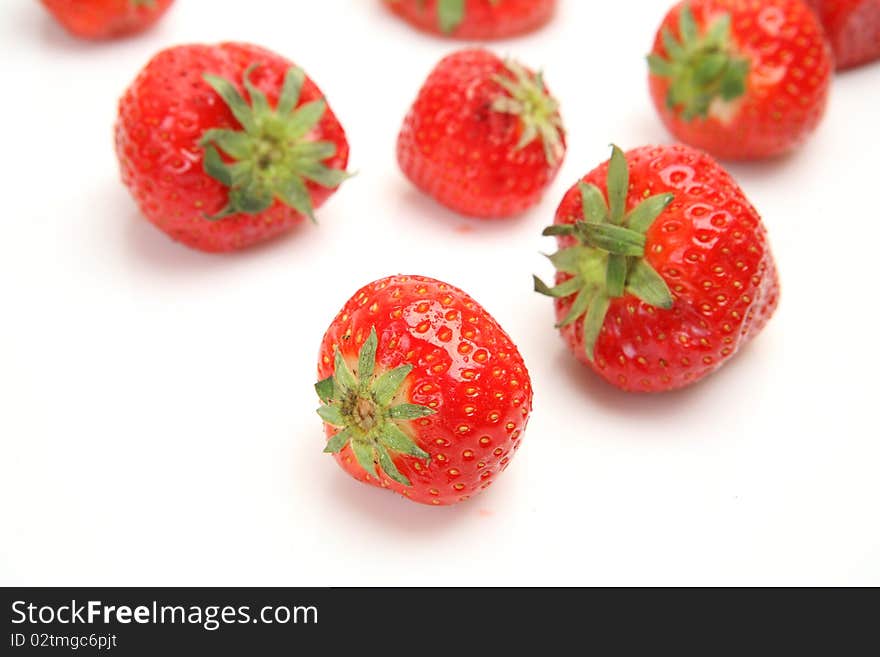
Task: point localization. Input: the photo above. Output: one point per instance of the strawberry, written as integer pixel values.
(664, 270)
(423, 392)
(475, 19)
(105, 19)
(224, 146)
(853, 28)
(738, 78)
(484, 137)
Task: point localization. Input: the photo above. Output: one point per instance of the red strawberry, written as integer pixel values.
(664, 270)
(218, 170)
(484, 137)
(104, 19)
(475, 19)
(738, 78)
(417, 379)
(853, 27)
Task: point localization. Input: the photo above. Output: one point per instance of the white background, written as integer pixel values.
(156, 405)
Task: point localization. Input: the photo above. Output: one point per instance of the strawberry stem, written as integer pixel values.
(362, 409)
(272, 155)
(608, 260)
(701, 68)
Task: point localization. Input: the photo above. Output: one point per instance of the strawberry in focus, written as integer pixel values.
(664, 271)
(853, 28)
(224, 146)
(740, 79)
(423, 392)
(105, 19)
(484, 136)
(475, 19)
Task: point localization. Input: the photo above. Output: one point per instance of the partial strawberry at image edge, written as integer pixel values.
(422, 391)
(737, 92)
(853, 28)
(225, 146)
(106, 19)
(484, 136)
(475, 19)
(663, 271)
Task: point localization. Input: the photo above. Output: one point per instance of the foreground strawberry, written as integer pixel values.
(104, 19)
(664, 270)
(853, 27)
(484, 137)
(475, 19)
(423, 391)
(228, 145)
(740, 79)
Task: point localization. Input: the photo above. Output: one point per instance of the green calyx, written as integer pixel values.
(361, 407)
(272, 155)
(608, 260)
(700, 67)
(527, 98)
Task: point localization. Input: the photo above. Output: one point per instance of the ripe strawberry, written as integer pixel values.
(853, 27)
(417, 378)
(218, 172)
(738, 78)
(484, 137)
(104, 19)
(475, 19)
(659, 285)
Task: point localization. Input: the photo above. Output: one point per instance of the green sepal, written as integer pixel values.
(558, 229)
(326, 390)
(332, 415)
(579, 307)
(615, 276)
(569, 260)
(643, 215)
(609, 259)
(342, 375)
(394, 438)
(700, 67)
(564, 289)
(593, 322)
(388, 467)
(363, 452)
(367, 358)
(410, 412)
(450, 14)
(271, 157)
(290, 90)
(593, 203)
(645, 283)
(613, 239)
(234, 101)
(338, 442)
(618, 185)
(386, 386)
(216, 167)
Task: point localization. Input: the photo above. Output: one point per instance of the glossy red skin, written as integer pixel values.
(853, 27)
(105, 19)
(709, 246)
(787, 87)
(162, 117)
(456, 149)
(465, 367)
(483, 19)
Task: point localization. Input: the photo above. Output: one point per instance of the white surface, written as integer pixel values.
(157, 416)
